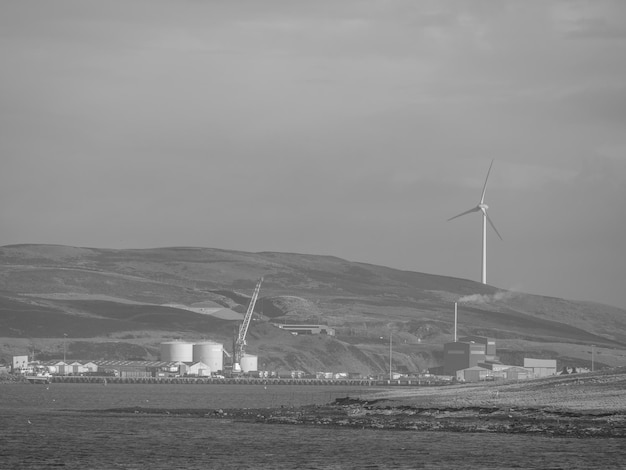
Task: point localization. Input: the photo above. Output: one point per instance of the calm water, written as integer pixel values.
(36, 432)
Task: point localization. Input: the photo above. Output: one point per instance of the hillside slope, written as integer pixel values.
(105, 296)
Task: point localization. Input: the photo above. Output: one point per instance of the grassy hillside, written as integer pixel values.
(138, 297)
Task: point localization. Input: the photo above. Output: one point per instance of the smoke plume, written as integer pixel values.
(485, 299)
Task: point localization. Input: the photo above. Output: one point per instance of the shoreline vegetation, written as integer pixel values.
(590, 405)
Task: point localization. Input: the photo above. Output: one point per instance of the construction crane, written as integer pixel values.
(240, 342)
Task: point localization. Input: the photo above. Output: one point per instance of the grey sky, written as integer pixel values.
(350, 128)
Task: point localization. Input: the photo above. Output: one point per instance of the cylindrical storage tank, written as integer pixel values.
(249, 363)
(210, 353)
(175, 351)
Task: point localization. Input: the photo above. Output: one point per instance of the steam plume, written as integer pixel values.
(484, 299)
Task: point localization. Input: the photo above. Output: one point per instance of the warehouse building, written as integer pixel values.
(137, 369)
(519, 373)
(473, 374)
(307, 329)
(540, 367)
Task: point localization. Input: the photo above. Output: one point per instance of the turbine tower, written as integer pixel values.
(482, 207)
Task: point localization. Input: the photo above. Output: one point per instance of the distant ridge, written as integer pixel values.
(143, 296)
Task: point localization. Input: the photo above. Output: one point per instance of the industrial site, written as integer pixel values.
(198, 314)
(466, 359)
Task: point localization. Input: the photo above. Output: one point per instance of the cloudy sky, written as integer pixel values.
(351, 128)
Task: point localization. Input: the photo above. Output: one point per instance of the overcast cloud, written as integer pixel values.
(348, 128)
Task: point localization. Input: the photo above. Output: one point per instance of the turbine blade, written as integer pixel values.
(473, 209)
(493, 226)
(482, 198)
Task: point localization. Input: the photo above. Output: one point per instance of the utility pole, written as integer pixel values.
(64, 348)
(593, 356)
(390, 355)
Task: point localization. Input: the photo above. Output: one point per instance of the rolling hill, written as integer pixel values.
(123, 303)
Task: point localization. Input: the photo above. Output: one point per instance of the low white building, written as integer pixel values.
(199, 369)
(90, 367)
(19, 363)
(473, 374)
(60, 367)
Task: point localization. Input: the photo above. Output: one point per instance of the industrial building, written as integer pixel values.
(540, 367)
(473, 374)
(479, 373)
(490, 345)
(518, 373)
(136, 369)
(473, 358)
(463, 355)
(307, 329)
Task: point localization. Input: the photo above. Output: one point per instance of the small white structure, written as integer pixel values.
(19, 363)
(249, 363)
(76, 368)
(61, 367)
(540, 367)
(199, 369)
(90, 367)
(473, 374)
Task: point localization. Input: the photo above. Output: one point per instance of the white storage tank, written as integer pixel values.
(212, 354)
(175, 351)
(249, 363)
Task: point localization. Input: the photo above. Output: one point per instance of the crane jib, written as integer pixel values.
(243, 329)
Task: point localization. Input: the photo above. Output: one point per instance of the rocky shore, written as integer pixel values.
(363, 414)
(585, 406)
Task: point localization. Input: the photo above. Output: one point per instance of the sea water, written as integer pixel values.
(52, 427)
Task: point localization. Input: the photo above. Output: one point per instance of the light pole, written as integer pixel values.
(593, 356)
(64, 349)
(390, 355)
(455, 317)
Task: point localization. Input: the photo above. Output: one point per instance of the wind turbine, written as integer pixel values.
(482, 207)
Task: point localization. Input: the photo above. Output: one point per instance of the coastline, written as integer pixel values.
(579, 406)
(362, 414)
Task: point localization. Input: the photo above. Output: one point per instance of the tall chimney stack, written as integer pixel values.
(455, 316)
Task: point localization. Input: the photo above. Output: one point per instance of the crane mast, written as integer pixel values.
(240, 342)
